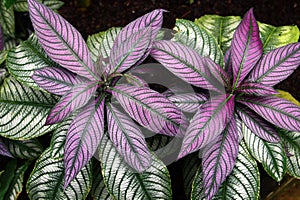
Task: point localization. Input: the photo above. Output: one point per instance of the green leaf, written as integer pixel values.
(197, 38)
(222, 28)
(190, 166)
(271, 155)
(25, 149)
(23, 111)
(32, 56)
(22, 5)
(274, 37)
(124, 183)
(99, 191)
(7, 177)
(242, 184)
(9, 3)
(7, 20)
(101, 43)
(16, 185)
(291, 140)
(46, 181)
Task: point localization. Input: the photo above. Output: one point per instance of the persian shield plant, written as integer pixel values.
(246, 107)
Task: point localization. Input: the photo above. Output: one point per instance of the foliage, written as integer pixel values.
(92, 99)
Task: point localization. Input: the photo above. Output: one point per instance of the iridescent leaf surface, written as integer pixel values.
(151, 109)
(4, 149)
(188, 102)
(256, 89)
(61, 41)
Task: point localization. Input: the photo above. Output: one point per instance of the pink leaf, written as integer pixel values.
(56, 80)
(256, 89)
(280, 112)
(246, 48)
(128, 139)
(75, 99)
(151, 109)
(208, 122)
(61, 41)
(83, 137)
(219, 160)
(277, 65)
(188, 102)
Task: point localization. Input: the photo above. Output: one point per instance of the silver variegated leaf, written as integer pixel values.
(197, 38)
(222, 28)
(32, 57)
(24, 149)
(46, 180)
(274, 37)
(124, 184)
(291, 140)
(23, 111)
(101, 43)
(7, 20)
(271, 155)
(242, 184)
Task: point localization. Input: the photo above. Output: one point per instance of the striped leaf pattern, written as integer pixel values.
(61, 41)
(24, 149)
(23, 111)
(274, 37)
(1, 39)
(222, 28)
(208, 122)
(99, 191)
(46, 180)
(219, 160)
(256, 89)
(258, 125)
(246, 48)
(124, 184)
(4, 150)
(56, 80)
(83, 138)
(71, 101)
(277, 65)
(128, 139)
(185, 63)
(7, 20)
(151, 109)
(22, 5)
(100, 44)
(131, 50)
(33, 57)
(243, 182)
(197, 38)
(271, 155)
(291, 140)
(280, 112)
(188, 102)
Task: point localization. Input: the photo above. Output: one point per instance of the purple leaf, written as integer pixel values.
(1, 39)
(246, 48)
(56, 80)
(258, 125)
(3, 149)
(61, 41)
(188, 102)
(186, 63)
(256, 89)
(276, 65)
(208, 122)
(280, 112)
(151, 109)
(83, 137)
(219, 160)
(131, 50)
(127, 41)
(128, 139)
(75, 99)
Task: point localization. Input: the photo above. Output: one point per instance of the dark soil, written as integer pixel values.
(101, 15)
